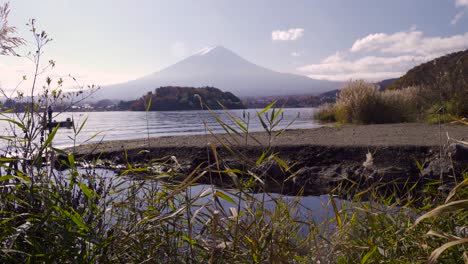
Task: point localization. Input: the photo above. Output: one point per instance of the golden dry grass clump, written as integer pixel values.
(361, 102)
(357, 102)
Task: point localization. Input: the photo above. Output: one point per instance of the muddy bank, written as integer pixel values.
(312, 168)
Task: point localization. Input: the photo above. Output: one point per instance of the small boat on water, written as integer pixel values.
(68, 123)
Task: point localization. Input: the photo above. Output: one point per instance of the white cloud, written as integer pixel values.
(461, 14)
(461, 3)
(287, 35)
(369, 42)
(368, 67)
(337, 57)
(296, 54)
(457, 17)
(380, 56)
(410, 42)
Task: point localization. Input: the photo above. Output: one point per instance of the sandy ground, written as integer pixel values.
(414, 134)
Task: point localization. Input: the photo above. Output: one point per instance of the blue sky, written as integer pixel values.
(110, 41)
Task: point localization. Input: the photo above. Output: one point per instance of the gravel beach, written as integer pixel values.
(406, 134)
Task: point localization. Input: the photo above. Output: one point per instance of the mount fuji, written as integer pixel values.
(221, 68)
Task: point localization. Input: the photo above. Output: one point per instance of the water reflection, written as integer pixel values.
(113, 188)
(306, 209)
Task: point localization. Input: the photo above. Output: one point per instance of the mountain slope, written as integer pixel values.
(221, 68)
(449, 70)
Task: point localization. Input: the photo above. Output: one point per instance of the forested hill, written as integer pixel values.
(172, 98)
(449, 71)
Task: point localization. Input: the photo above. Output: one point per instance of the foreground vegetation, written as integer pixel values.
(83, 216)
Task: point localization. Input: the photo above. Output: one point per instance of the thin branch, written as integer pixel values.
(8, 42)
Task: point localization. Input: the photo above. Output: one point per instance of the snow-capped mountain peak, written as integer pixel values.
(206, 50)
(222, 68)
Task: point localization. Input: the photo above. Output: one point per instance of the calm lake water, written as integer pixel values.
(132, 125)
(303, 208)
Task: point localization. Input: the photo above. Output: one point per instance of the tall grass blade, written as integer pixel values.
(336, 211)
(224, 196)
(437, 252)
(14, 122)
(49, 139)
(261, 158)
(81, 126)
(148, 106)
(268, 107)
(368, 255)
(281, 162)
(454, 191)
(87, 191)
(449, 207)
(73, 216)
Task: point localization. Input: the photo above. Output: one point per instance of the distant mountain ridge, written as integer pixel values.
(220, 67)
(382, 85)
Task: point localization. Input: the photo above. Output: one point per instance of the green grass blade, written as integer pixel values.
(267, 108)
(224, 197)
(14, 122)
(49, 139)
(148, 106)
(87, 191)
(76, 219)
(81, 126)
(337, 212)
(368, 255)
